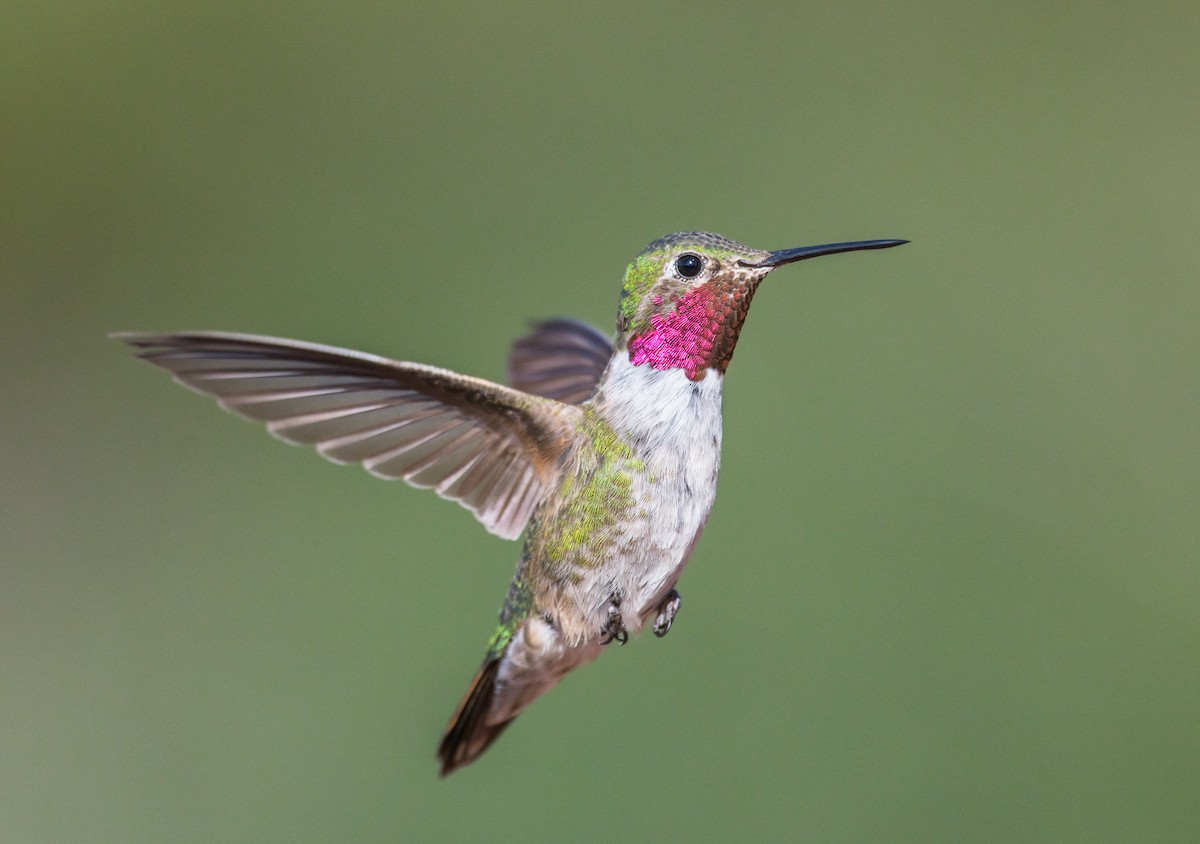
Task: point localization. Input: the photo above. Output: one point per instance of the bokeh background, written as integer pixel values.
(950, 590)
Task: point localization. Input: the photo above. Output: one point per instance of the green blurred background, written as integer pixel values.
(950, 590)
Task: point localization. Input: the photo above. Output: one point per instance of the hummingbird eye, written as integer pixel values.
(689, 265)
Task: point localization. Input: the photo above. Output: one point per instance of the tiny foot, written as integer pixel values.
(614, 627)
(666, 613)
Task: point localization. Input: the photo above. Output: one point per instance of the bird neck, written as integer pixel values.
(695, 333)
(650, 407)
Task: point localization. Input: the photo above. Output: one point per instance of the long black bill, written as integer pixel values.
(787, 256)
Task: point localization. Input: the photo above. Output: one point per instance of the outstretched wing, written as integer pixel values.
(488, 447)
(562, 359)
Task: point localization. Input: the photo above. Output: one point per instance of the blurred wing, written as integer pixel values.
(562, 359)
(488, 447)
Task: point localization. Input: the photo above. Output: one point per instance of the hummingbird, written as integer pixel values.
(602, 452)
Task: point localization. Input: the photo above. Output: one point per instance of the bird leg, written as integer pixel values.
(666, 613)
(614, 627)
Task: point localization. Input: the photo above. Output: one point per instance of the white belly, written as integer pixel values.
(674, 425)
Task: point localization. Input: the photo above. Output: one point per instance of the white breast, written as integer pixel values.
(674, 425)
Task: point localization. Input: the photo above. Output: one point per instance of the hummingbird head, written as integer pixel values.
(686, 296)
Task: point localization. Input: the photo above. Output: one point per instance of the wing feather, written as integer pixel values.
(489, 447)
(561, 359)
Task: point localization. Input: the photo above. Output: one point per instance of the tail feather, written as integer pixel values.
(469, 733)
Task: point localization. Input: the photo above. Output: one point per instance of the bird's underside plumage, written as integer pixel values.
(593, 573)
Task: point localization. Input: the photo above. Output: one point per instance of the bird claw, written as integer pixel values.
(666, 613)
(614, 627)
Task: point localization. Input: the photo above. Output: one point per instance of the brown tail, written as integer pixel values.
(469, 734)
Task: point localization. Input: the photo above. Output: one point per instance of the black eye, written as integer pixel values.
(689, 265)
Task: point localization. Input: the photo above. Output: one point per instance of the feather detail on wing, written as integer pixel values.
(561, 359)
(491, 448)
